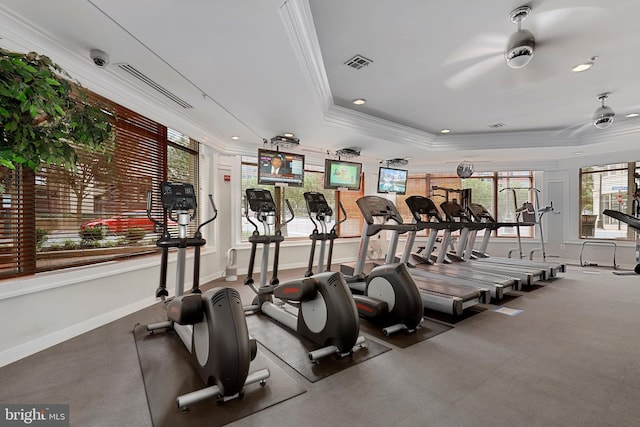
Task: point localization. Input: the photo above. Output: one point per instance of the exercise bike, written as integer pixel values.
(387, 295)
(319, 308)
(211, 325)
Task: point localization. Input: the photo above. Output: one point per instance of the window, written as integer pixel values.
(514, 189)
(417, 185)
(614, 187)
(17, 223)
(489, 189)
(301, 226)
(55, 218)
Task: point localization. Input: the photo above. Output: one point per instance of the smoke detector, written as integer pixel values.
(603, 116)
(521, 44)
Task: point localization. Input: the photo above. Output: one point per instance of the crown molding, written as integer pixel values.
(300, 28)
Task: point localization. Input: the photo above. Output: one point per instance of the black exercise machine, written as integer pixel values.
(426, 216)
(211, 325)
(386, 296)
(381, 215)
(319, 308)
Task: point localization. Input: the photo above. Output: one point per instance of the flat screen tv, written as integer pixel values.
(392, 180)
(339, 174)
(277, 167)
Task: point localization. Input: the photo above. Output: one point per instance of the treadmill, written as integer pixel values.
(426, 216)
(481, 215)
(437, 294)
(454, 212)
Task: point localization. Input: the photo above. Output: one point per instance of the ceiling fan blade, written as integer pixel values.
(622, 116)
(580, 129)
(466, 76)
(572, 131)
(477, 47)
(547, 24)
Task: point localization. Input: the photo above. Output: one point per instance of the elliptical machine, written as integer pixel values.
(387, 295)
(321, 215)
(211, 325)
(319, 308)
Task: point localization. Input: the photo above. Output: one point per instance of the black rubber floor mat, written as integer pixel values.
(167, 372)
(293, 349)
(428, 329)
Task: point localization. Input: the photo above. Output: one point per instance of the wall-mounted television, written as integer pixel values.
(277, 167)
(339, 174)
(392, 180)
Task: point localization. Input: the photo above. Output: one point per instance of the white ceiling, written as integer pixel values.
(259, 68)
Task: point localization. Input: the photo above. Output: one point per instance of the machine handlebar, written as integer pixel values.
(215, 214)
(344, 214)
(151, 218)
(290, 211)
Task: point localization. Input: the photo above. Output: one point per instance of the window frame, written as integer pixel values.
(589, 221)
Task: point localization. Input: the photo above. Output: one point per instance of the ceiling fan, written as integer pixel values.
(602, 118)
(521, 44)
(491, 50)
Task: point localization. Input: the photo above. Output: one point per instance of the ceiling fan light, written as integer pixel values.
(582, 67)
(603, 117)
(520, 49)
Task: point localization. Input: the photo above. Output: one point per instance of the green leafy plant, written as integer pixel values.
(70, 245)
(134, 235)
(41, 237)
(92, 234)
(44, 114)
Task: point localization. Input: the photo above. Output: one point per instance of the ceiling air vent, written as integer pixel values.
(358, 62)
(155, 86)
(496, 125)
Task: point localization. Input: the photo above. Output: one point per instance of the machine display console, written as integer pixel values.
(317, 203)
(178, 196)
(260, 199)
(375, 206)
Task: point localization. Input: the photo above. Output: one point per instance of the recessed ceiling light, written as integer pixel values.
(585, 65)
(445, 130)
(578, 153)
(359, 101)
(288, 134)
(630, 115)
(234, 137)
